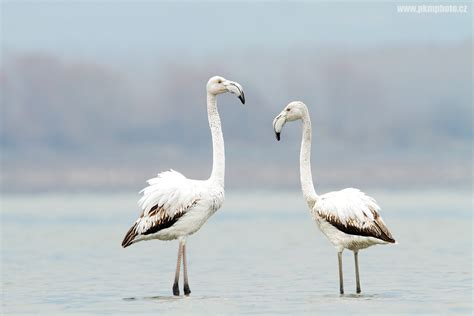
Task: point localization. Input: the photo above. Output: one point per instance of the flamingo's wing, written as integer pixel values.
(354, 213)
(167, 197)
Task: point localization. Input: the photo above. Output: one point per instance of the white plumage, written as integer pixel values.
(172, 196)
(348, 218)
(174, 207)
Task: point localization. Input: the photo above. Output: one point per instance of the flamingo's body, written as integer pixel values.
(348, 218)
(174, 207)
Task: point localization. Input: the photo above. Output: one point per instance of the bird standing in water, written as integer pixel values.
(173, 206)
(348, 218)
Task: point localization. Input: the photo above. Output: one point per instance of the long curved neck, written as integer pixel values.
(306, 176)
(218, 151)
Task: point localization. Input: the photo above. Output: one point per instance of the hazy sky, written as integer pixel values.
(109, 92)
(145, 29)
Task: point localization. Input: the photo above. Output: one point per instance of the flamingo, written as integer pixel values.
(173, 206)
(349, 218)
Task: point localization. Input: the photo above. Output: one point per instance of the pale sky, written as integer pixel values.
(140, 29)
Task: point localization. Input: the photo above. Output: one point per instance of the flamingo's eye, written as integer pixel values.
(288, 110)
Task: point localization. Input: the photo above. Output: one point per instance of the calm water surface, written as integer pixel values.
(261, 253)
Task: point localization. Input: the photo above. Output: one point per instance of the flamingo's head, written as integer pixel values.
(295, 110)
(217, 85)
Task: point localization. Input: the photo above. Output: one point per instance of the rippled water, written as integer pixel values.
(261, 253)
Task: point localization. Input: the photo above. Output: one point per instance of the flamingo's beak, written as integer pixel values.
(235, 88)
(278, 124)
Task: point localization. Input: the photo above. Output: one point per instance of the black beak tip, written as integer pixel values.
(242, 98)
(277, 136)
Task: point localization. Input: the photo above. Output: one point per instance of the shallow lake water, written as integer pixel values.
(261, 253)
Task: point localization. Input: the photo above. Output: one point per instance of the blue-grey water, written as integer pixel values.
(261, 253)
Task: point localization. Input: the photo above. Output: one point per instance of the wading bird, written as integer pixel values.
(348, 218)
(174, 207)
